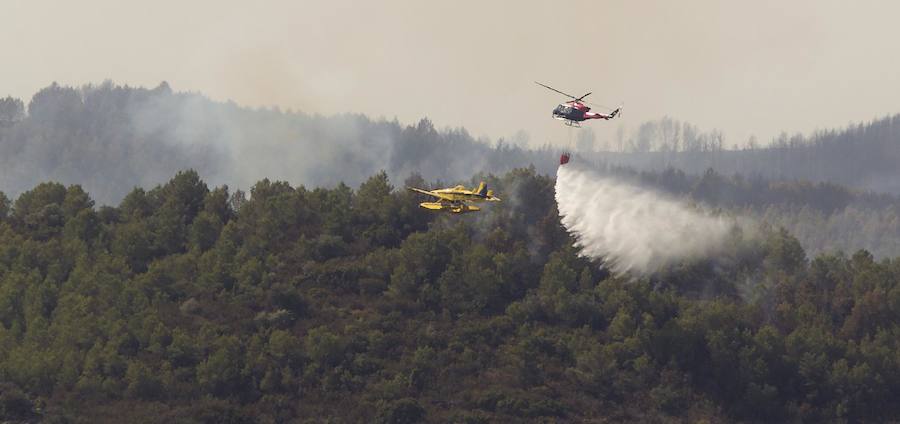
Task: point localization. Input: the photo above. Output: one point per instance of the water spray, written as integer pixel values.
(633, 229)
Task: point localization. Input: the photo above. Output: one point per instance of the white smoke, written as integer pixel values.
(633, 229)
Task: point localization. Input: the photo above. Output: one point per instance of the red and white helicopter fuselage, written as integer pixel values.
(575, 110)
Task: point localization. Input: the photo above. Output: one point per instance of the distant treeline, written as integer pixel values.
(110, 139)
(863, 156)
(188, 304)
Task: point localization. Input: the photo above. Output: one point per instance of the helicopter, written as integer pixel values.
(575, 111)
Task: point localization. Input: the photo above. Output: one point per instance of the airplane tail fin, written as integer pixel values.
(482, 189)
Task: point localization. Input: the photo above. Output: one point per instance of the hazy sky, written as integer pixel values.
(744, 67)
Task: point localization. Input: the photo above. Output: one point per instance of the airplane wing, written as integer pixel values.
(430, 193)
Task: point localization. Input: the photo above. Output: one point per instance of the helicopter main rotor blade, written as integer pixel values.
(588, 94)
(560, 92)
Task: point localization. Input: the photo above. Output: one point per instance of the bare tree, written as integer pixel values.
(12, 110)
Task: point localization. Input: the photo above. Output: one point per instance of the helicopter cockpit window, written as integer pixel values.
(562, 110)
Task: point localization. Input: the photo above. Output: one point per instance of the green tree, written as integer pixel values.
(5, 204)
(220, 374)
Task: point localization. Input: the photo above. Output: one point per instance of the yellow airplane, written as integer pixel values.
(457, 199)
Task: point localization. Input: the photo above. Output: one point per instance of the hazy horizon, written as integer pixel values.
(747, 69)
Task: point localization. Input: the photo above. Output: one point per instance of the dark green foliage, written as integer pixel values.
(5, 205)
(185, 304)
(403, 411)
(14, 404)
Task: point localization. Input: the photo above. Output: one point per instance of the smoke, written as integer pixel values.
(633, 229)
(110, 139)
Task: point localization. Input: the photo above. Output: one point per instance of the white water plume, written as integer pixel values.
(633, 229)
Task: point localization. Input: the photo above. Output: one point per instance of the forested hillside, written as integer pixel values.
(110, 139)
(187, 303)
